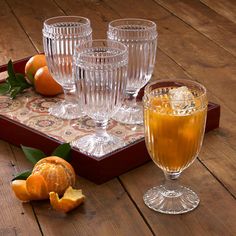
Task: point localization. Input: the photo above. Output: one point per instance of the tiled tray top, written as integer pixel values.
(31, 109)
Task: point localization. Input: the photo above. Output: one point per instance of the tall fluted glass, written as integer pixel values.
(100, 68)
(60, 36)
(174, 120)
(140, 36)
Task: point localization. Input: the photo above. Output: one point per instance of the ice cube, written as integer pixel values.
(181, 100)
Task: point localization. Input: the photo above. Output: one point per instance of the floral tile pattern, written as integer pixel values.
(31, 110)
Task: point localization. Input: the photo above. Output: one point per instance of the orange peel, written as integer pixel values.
(71, 199)
(20, 190)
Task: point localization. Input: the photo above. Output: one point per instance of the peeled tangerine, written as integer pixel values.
(71, 199)
(50, 174)
(57, 173)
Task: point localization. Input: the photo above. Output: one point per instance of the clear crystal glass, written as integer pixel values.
(140, 36)
(174, 129)
(60, 36)
(100, 68)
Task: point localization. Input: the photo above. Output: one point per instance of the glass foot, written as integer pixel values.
(166, 201)
(131, 115)
(66, 110)
(98, 146)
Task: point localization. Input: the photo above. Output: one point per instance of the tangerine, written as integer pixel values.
(45, 84)
(50, 174)
(33, 64)
(57, 173)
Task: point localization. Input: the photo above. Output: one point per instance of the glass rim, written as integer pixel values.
(202, 87)
(153, 25)
(87, 21)
(89, 42)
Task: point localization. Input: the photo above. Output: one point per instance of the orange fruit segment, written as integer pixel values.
(33, 64)
(71, 199)
(20, 190)
(37, 187)
(44, 83)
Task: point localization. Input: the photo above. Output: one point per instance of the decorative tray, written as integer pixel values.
(25, 120)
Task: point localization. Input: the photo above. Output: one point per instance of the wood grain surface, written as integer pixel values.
(196, 41)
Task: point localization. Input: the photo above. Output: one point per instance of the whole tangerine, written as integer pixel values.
(44, 83)
(33, 64)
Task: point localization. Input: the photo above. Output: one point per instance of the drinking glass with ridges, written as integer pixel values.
(60, 36)
(174, 120)
(100, 72)
(140, 36)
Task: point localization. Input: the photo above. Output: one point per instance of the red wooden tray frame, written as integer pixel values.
(98, 171)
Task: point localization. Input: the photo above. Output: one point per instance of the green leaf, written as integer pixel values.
(22, 80)
(4, 88)
(63, 151)
(23, 175)
(32, 154)
(14, 91)
(10, 69)
(16, 81)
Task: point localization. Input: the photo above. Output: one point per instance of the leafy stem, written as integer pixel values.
(15, 82)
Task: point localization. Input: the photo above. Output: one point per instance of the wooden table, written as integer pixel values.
(197, 40)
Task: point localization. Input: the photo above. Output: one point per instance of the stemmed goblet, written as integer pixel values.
(174, 120)
(140, 36)
(60, 36)
(100, 68)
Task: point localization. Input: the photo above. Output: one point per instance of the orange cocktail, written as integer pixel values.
(174, 120)
(173, 140)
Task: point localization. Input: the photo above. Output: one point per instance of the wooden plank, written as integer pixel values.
(219, 157)
(101, 14)
(31, 16)
(12, 37)
(16, 218)
(106, 211)
(98, 12)
(214, 26)
(216, 203)
(226, 8)
(137, 9)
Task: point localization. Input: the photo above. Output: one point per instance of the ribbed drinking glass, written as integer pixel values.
(100, 68)
(174, 120)
(60, 36)
(140, 36)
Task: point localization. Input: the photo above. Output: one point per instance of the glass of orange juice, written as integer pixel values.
(174, 120)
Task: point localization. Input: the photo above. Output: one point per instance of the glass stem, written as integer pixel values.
(70, 94)
(131, 98)
(172, 188)
(101, 128)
